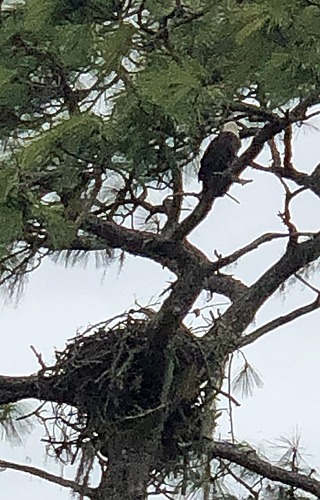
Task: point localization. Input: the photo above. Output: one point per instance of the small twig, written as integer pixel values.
(32, 413)
(253, 493)
(233, 198)
(144, 413)
(230, 405)
(242, 182)
(227, 395)
(39, 357)
(312, 115)
(257, 166)
(305, 282)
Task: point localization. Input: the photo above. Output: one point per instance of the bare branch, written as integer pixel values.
(34, 471)
(38, 356)
(143, 243)
(280, 321)
(265, 238)
(299, 112)
(251, 461)
(166, 321)
(239, 480)
(305, 282)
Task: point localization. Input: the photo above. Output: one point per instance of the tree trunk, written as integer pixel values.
(130, 458)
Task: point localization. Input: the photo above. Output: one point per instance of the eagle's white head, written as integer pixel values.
(231, 127)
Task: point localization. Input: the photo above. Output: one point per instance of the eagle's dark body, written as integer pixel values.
(218, 156)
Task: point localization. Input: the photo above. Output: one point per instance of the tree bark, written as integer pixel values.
(131, 452)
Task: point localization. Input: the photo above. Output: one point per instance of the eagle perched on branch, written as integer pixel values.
(220, 153)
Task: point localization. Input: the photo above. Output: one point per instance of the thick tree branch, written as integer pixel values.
(13, 389)
(164, 325)
(251, 461)
(276, 157)
(174, 255)
(276, 323)
(225, 285)
(37, 386)
(34, 471)
(86, 244)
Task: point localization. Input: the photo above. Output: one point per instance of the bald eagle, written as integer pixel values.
(220, 153)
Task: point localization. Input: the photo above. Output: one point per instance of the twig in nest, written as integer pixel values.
(39, 357)
(144, 413)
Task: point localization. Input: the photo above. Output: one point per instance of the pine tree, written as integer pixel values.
(104, 106)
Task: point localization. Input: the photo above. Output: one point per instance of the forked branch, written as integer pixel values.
(242, 312)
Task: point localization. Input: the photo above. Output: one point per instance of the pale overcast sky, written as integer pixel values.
(58, 301)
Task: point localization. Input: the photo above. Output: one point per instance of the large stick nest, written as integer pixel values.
(112, 377)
